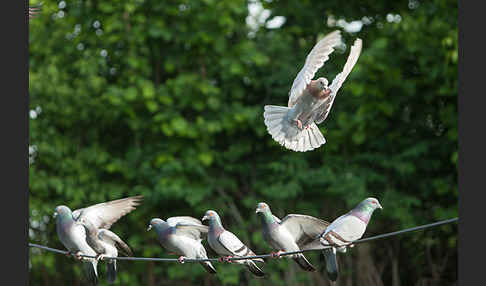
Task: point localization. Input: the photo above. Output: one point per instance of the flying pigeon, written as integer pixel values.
(106, 244)
(34, 10)
(310, 101)
(344, 230)
(72, 233)
(182, 235)
(227, 245)
(292, 233)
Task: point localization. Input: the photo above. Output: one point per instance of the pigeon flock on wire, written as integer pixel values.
(86, 231)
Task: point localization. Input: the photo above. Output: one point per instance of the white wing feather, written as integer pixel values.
(341, 77)
(315, 60)
(103, 215)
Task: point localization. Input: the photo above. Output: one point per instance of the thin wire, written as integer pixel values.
(421, 227)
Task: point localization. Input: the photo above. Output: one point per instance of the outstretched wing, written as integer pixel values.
(103, 215)
(172, 221)
(304, 228)
(188, 226)
(339, 79)
(315, 60)
(115, 240)
(194, 231)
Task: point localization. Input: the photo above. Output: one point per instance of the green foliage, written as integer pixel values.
(165, 99)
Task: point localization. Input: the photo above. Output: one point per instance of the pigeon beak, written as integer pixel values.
(54, 215)
(149, 227)
(258, 210)
(380, 206)
(204, 218)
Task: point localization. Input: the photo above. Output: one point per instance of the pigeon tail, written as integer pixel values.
(287, 134)
(111, 271)
(331, 263)
(303, 262)
(209, 267)
(254, 268)
(89, 268)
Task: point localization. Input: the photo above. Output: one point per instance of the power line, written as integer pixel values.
(421, 227)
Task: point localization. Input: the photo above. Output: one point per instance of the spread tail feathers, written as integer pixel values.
(111, 271)
(304, 263)
(331, 263)
(254, 268)
(209, 267)
(288, 134)
(89, 268)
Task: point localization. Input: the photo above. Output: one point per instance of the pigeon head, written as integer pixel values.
(365, 209)
(262, 208)
(156, 223)
(371, 204)
(63, 212)
(321, 83)
(212, 216)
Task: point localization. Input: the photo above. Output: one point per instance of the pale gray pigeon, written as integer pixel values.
(344, 230)
(72, 234)
(73, 237)
(292, 233)
(227, 245)
(106, 244)
(310, 101)
(181, 235)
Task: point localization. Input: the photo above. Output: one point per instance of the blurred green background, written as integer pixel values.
(165, 99)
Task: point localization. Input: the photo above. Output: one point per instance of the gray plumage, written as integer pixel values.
(293, 233)
(106, 244)
(182, 235)
(73, 235)
(310, 101)
(226, 244)
(344, 230)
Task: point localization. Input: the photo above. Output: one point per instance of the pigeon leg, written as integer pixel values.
(78, 255)
(181, 259)
(100, 257)
(227, 259)
(277, 254)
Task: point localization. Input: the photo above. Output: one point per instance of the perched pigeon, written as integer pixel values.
(182, 235)
(310, 101)
(228, 245)
(344, 230)
(73, 237)
(106, 244)
(34, 10)
(291, 233)
(72, 233)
